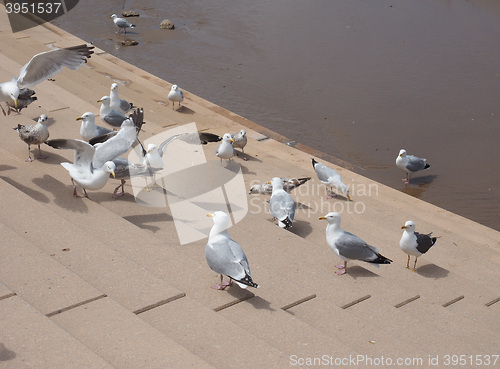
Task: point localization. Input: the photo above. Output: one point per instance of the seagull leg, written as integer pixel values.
(330, 195)
(40, 156)
(223, 284)
(414, 265)
(85, 192)
(3, 111)
(75, 194)
(29, 155)
(342, 269)
(408, 263)
(118, 194)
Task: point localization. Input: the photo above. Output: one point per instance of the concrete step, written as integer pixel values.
(77, 261)
(31, 340)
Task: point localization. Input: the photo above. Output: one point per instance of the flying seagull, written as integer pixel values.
(41, 67)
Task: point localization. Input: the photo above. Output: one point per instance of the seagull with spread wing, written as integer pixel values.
(41, 67)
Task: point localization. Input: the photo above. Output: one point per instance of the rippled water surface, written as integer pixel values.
(357, 79)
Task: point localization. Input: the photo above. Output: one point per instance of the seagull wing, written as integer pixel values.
(49, 63)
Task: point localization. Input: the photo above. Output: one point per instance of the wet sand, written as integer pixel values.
(355, 80)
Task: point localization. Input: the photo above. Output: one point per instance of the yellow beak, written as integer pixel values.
(403, 227)
(349, 197)
(232, 140)
(79, 118)
(15, 103)
(99, 100)
(113, 174)
(210, 215)
(321, 218)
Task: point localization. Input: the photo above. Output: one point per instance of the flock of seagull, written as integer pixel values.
(97, 157)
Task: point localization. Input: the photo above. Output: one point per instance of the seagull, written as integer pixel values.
(176, 95)
(121, 23)
(92, 165)
(281, 204)
(240, 140)
(116, 103)
(225, 256)
(414, 243)
(34, 135)
(410, 164)
(25, 98)
(289, 184)
(89, 129)
(330, 177)
(108, 115)
(225, 150)
(348, 246)
(41, 67)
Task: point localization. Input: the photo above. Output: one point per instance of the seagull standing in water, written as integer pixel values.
(121, 23)
(410, 164)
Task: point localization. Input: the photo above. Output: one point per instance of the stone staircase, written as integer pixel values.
(105, 283)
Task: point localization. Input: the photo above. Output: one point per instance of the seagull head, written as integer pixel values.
(114, 86)
(409, 226)
(332, 218)
(254, 189)
(105, 100)
(227, 137)
(114, 16)
(152, 148)
(243, 133)
(402, 153)
(110, 167)
(87, 117)
(175, 87)
(221, 221)
(12, 90)
(43, 118)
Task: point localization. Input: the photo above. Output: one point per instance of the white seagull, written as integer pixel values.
(348, 246)
(414, 243)
(410, 164)
(176, 95)
(225, 256)
(281, 204)
(92, 165)
(123, 106)
(121, 23)
(111, 116)
(225, 150)
(330, 177)
(89, 129)
(41, 67)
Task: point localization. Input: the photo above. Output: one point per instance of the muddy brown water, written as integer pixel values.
(358, 80)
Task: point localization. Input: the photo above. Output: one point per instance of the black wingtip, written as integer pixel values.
(314, 162)
(381, 259)
(247, 280)
(427, 166)
(287, 222)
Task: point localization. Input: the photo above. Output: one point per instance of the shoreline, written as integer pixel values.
(129, 295)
